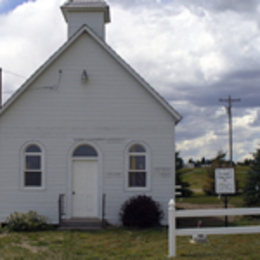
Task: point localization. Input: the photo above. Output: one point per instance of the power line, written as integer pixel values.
(8, 92)
(14, 74)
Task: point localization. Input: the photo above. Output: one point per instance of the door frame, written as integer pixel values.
(70, 177)
(85, 160)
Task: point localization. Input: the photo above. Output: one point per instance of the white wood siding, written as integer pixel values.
(111, 110)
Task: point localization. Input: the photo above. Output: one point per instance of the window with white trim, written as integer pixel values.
(33, 166)
(137, 166)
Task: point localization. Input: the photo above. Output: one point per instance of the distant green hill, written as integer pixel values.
(196, 177)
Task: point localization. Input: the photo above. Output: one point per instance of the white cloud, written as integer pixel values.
(246, 119)
(194, 56)
(170, 43)
(25, 41)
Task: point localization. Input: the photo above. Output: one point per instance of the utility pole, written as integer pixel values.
(1, 88)
(229, 101)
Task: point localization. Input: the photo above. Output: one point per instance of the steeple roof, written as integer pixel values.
(87, 5)
(95, 3)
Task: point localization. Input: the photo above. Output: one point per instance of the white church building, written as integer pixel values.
(85, 126)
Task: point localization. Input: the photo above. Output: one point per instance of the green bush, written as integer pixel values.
(252, 185)
(141, 212)
(29, 221)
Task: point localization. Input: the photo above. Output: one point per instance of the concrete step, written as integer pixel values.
(81, 224)
(79, 228)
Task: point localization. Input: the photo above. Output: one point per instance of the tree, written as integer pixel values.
(178, 161)
(218, 162)
(248, 162)
(185, 191)
(203, 161)
(190, 160)
(252, 186)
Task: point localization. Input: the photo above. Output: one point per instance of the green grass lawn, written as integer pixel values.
(201, 198)
(105, 244)
(122, 244)
(195, 177)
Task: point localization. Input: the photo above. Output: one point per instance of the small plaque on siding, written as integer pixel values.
(163, 171)
(114, 174)
(115, 140)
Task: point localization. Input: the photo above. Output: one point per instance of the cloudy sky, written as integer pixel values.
(192, 52)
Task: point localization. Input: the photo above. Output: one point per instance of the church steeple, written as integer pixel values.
(94, 13)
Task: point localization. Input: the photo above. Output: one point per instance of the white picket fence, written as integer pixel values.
(177, 192)
(173, 232)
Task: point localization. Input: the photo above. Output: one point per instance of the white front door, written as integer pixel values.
(85, 188)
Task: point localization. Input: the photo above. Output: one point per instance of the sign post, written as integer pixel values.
(225, 184)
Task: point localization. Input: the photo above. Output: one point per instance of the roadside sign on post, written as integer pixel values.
(225, 181)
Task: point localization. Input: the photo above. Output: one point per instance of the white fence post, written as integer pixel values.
(172, 228)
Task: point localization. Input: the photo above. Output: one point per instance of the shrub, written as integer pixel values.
(252, 185)
(209, 185)
(29, 221)
(141, 212)
(185, 191)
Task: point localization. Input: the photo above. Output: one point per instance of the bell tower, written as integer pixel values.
(93, 13)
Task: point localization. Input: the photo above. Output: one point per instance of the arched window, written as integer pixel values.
(137, 166)
(33, 166)
(85, 151)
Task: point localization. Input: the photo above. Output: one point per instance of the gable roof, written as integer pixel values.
(85, 29)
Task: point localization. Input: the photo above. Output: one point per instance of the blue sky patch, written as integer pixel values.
(9, 5)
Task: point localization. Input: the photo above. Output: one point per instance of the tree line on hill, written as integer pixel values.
(199, 163)
(208, 162)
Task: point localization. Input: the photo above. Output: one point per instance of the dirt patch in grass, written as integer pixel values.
(26, 245)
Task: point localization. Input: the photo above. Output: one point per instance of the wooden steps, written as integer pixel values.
(81, 224)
